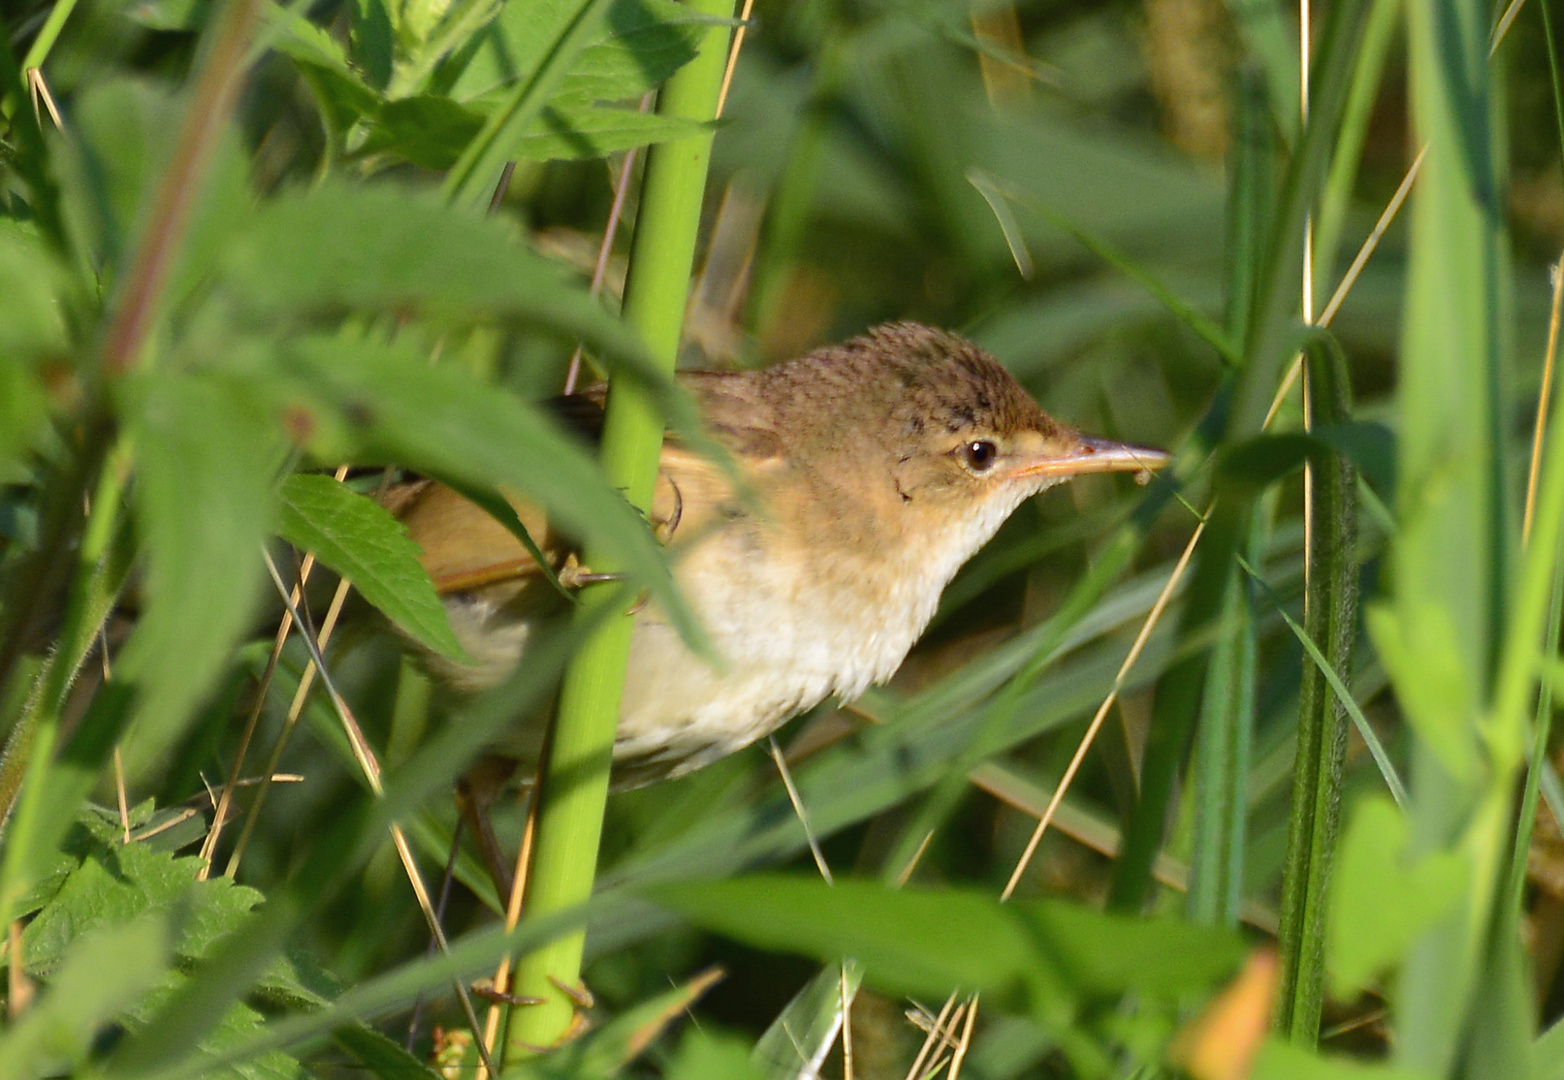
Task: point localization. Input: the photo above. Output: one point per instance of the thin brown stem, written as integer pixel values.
(1544, 395)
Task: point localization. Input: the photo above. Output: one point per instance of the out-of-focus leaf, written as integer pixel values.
(31, 328)
(1040, 955)
(103, 974)
(125, 138)
(381, 248)
(394, 406)
(1421, 650)
(1381, 899)
(360, 540)
(1280, 1060)
(706, 1055)
(31, 280)
(206, 455)
(169, 14)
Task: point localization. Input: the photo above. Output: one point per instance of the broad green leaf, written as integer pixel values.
(638, 45)
(1042, 955)
(234, 1028)
(32, 327)
(433, 131)
(586, 131)
(32, 322)
(1422, 652)
(115, 883)
(104, 973)
(360, 540)
(1382, 899)
(205, 456)
(382, 248)
(372, 42)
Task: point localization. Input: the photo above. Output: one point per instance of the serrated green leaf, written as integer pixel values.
(651, 40)
(382, 248)
(115, 883)
(206, 456)
(1381, 899)
(360, 540)
(591, 131)
(433, 131)
(237, 1026)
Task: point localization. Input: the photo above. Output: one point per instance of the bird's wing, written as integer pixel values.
(465, 548)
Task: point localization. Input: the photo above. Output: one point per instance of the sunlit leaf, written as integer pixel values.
(361, 541)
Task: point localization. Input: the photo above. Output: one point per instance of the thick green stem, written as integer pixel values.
(575, 782)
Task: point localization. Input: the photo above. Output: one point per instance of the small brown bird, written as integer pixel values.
(877, 468)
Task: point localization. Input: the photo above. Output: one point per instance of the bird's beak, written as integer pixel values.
(1093, 455)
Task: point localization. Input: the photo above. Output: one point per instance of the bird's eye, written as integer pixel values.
(979, 455)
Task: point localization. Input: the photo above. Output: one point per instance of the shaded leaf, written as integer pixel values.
(433, 131)
(705, 1055)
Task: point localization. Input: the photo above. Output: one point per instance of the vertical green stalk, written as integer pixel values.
(575, 781)
(1331, 622)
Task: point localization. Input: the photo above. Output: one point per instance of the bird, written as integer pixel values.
(872, 470)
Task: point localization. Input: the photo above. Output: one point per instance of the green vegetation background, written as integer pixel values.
(243, 243)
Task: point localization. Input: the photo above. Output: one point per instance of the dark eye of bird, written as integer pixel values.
(980, 454)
